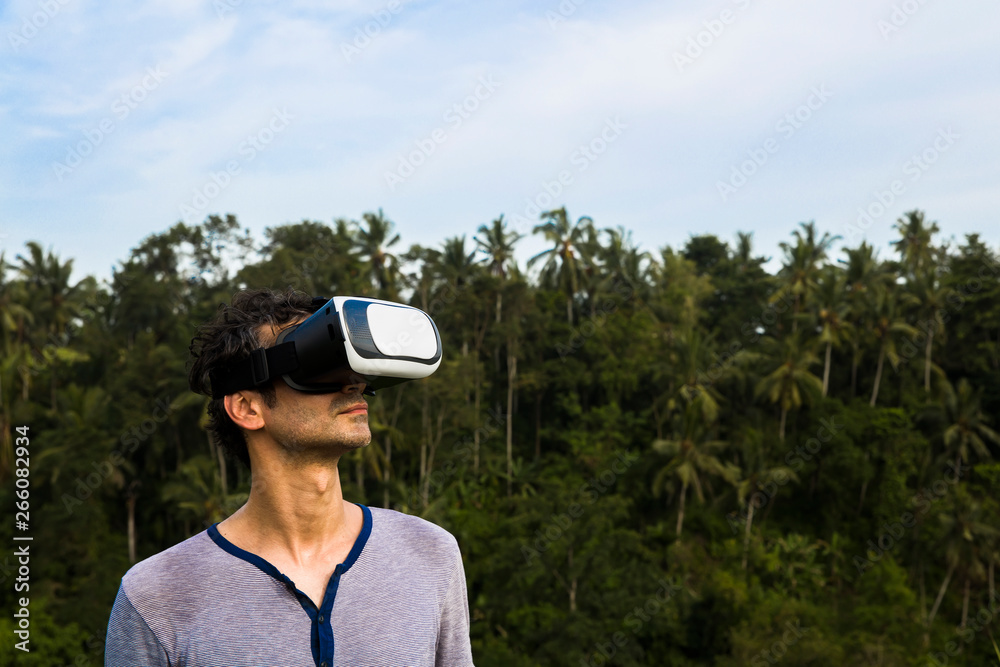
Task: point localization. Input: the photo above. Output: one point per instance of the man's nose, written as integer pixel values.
(354, 387)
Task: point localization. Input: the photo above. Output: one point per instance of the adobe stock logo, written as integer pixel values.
(455, 116)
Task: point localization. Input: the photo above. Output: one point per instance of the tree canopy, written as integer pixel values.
(667, 457)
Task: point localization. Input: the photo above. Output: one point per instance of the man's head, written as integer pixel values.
(296, 421)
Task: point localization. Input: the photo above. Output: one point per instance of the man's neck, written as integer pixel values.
(295, 514)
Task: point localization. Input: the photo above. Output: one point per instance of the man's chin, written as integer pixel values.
(356, 440)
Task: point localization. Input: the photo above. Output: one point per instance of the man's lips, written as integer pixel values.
(360, 408)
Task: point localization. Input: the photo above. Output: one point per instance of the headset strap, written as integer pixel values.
(260, 367)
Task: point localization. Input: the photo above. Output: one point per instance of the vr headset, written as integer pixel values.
(348, 340)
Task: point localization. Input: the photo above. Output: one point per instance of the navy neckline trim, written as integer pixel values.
(321, 639)
(268, 568)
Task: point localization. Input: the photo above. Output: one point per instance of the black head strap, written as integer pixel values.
(262, 366)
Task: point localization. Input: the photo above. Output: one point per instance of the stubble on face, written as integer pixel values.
(313, 424)
(303, 423)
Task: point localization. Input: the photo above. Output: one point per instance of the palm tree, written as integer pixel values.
(622, 262)
(964, 428)
(694, 457)
(758, 473)
(15, 356)
(497, 244)
(743, 255)
(800, 270)
(566, 260)
(456, 263)
(692, 354)
(888, 329)
(374, 238)
(968, 538)
(14, 314)
(865, 274)
(54, 304)
(789, 383)
(914, 245)
(832, 316)
(932, 297)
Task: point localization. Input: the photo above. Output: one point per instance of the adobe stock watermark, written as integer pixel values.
(976, 624)
(914, 168)
(120, 109)
(224, 7)
(605, 651)
(712, 30)
(32, 25)
(899, 17)
(559, 524)
(582, 157)
(248, 149)
(365, 34)
(565, 10)
(891, 534)
(786, 127)
(454, 116)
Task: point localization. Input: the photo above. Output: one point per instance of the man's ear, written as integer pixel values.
(243, 408)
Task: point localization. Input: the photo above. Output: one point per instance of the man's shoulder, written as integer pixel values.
(419, 534)
(179, 563)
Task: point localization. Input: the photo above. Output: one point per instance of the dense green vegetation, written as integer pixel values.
(648, 459)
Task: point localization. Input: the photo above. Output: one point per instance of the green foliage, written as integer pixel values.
(648, 458)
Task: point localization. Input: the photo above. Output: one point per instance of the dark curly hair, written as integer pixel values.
(232, 335)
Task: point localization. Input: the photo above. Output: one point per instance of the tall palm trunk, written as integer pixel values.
(222, 472)
(359, 473)
(878, 376)
(572, 584)
(680, 510)
(569, 311)
(538, 426)
(425, 422)
(511, 374)
(746, 535)
(781, 427)
(130, 504)
(965, 604)
(385, 472)
(477, 383)
(941, 592)
(433, 443)
(826, 369)
(864, 484)
(475, 434)
(927, 361)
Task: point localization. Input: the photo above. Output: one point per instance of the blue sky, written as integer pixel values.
(670, 119)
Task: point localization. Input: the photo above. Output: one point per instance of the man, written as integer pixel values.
(298, 575)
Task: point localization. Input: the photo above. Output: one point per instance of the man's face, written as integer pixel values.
(301, 421)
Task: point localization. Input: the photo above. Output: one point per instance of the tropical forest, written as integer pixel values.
(707, 454)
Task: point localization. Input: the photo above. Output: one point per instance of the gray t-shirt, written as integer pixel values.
(398, 599)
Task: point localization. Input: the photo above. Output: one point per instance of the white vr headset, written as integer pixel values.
(348, 340)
